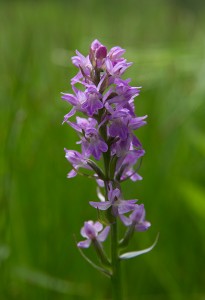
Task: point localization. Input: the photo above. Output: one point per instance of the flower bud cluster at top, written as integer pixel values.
(106, 102)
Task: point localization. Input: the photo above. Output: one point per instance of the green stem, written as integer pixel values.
(115, 261)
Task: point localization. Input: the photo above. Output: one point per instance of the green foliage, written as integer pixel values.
(39, 208)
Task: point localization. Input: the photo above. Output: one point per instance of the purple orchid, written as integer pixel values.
(93, 100)
(77, 160)
(84, 65)
(125, 165)
(92, 142)
(83, 124)
(121, 128)
(116, 69)
(124, 94)
(118, 205)
(80, 61)
(123, 124)
(106, 123)
(77, 102)
(115, 64)
(90, 231)
(115, 53)
(136, 219)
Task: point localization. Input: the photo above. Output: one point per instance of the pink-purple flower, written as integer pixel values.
(106, 101)
(103, 115)
(93, 100)
(115, 202)
(136, 219)
(77, 160)
(93, 232)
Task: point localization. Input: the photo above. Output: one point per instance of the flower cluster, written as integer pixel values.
(105, 124)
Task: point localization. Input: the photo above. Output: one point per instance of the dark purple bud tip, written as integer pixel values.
(101, 52)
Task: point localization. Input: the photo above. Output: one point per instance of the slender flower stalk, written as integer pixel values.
(116, 270)
(106, 128)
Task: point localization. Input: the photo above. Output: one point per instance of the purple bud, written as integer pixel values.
(101, 52)
(97, 54)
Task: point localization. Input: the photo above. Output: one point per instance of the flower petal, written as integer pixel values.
(98, 226)
(103, 235)
(71, 174)
(125, 206)
(101, 205)
(125, 220)
(84, 244)
(142, 226)
(69, 115)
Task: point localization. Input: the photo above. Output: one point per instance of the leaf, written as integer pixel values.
(132, 254)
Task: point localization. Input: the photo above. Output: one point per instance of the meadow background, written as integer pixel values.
(40, 209)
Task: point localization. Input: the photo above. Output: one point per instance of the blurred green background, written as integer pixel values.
(40, 209)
